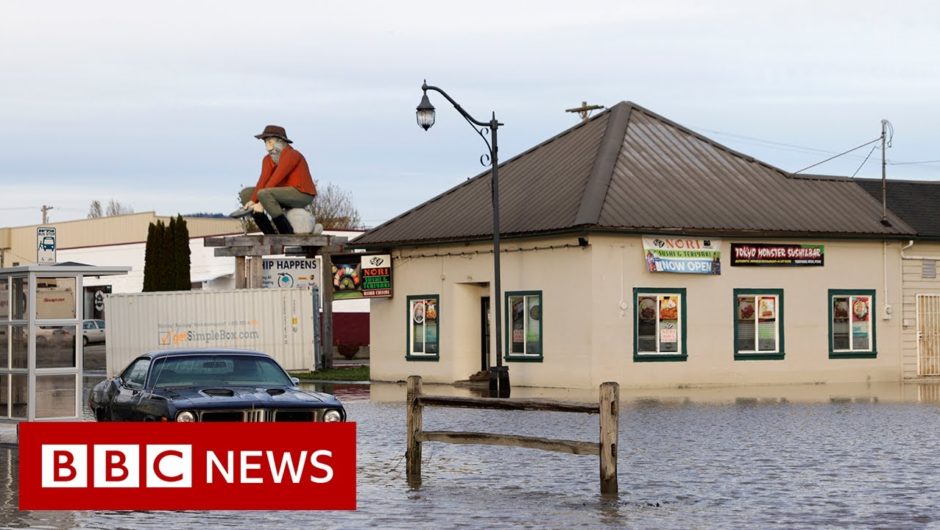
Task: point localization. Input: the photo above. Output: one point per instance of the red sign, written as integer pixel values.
(187, 466)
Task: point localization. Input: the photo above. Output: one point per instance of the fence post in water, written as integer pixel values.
(610, 425)
(414, 426)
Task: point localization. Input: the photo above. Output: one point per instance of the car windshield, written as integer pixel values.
(218, 370)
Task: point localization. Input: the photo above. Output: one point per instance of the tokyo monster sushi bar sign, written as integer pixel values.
(362, 276)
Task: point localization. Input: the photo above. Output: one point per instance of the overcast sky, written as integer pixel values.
(156, 104)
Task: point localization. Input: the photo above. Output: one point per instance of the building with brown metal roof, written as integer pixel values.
(637, 250)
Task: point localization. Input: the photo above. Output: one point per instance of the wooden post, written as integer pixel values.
(610, 429)
(414, 425)
(240, 276)
(254, 272)
(326, 285)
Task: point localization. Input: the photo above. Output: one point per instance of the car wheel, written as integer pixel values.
(100, 415)
(84, 341)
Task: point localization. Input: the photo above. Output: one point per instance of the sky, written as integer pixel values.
(156, 104)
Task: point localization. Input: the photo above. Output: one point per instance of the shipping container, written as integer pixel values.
(278, 322)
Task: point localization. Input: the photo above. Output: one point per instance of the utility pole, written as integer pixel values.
(885, 141)
(585, 110)
(45, 213)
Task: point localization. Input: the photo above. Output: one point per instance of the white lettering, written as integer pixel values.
(287, 461)
(227, 471)
(319, 465)
(250, 466)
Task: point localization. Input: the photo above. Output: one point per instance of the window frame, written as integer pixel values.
(757, 355)
(507, 330)
(683, 354)
(409, 354)
(870, 353)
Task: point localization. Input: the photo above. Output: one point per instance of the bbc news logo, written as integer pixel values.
(224, 466)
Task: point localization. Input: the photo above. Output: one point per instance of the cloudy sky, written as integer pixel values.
(156, 104)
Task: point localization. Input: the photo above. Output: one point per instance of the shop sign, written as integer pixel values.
(776, 255)
(362, 276)
(684, 256)
(290, 272)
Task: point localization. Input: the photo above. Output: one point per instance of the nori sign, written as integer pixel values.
(779, 255)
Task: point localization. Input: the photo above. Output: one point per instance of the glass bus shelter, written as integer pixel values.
(41, 314)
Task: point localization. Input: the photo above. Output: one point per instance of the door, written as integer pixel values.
(928, 334)
(484, 333)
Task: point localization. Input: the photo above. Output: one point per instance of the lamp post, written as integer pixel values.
(499, 374)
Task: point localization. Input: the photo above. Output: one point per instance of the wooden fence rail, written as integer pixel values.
(608, 409)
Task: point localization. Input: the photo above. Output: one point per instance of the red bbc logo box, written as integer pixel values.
(187, 466)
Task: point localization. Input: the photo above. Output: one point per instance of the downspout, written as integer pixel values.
(911, 244)
(886, 312)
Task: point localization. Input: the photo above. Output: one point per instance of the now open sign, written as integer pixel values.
(187, 466)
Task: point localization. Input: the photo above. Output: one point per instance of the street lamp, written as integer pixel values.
(499, 374)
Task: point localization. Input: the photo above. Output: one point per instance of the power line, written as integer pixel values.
(838, 155)
(866, 160)
(802, 148)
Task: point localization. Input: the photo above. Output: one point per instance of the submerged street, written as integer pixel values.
(758, 457)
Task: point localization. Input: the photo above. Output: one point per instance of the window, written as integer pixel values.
(851, 324)
(424, 316)
(758, 324)
(135, 374)
(659, 325)
(524, 326)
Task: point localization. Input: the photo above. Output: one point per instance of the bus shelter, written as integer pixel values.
(41, 317)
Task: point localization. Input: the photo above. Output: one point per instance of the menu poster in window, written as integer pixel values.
(860, 309)
(668, 333)
(766, 309)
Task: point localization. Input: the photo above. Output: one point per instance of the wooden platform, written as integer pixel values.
(268, 245)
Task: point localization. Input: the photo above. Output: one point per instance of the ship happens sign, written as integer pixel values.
(776, 255)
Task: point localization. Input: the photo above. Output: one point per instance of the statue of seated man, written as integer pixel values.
(285, 182)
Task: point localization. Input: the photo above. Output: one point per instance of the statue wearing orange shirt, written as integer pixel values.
(285, 182)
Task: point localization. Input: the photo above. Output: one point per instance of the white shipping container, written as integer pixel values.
(278, 322)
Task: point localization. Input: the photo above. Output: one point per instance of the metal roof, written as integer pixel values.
(631, 170)
(917, 202)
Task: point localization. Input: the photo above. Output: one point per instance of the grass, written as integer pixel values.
(353, 373)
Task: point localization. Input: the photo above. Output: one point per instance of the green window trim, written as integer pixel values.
(757, 355)
(409, 354)
(648, 357)
(523, 357)
(872, 310)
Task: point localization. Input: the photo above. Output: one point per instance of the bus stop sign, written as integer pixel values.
(45, 251)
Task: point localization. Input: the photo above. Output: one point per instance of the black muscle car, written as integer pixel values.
(209, 385)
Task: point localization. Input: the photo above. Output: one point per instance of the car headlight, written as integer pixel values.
(332, 415)
(186, 416)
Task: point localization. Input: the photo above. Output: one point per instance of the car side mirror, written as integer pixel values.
(295, 381)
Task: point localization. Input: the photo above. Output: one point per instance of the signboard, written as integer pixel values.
(683, 256)
(290, 272)
(776, 255)
(45, 245)
(362, 276)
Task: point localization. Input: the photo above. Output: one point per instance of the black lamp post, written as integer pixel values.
(499, 374)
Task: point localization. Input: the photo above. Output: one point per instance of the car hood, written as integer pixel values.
(238, 396)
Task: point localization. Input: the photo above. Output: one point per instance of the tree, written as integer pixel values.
(167, 256)
(116, 208)
(95, 210)
(333, 208)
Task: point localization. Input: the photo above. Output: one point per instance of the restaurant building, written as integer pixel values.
(636, 250)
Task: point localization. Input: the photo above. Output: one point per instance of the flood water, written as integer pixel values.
(802, 456)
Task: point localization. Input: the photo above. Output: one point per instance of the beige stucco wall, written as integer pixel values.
(116, 230)
(588, 314)
(914, 283)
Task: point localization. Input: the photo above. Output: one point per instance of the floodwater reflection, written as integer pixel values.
(742, 457)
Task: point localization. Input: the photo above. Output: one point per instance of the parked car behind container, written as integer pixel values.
(92, 331)
(209, 385)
